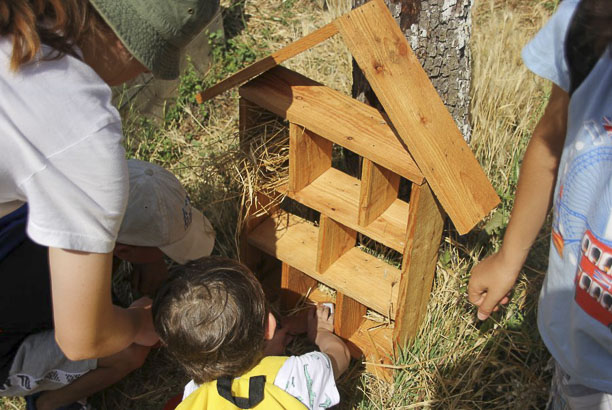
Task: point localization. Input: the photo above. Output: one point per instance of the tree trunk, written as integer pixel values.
(438, 31)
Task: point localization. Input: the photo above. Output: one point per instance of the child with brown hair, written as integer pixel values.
(213, 317)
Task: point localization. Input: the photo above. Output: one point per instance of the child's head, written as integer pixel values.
(213, 317)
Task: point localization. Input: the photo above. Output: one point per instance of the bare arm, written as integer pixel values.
(87, 324)
(321, 332)
(494, 277)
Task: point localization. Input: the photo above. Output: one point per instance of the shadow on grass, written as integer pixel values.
(496, 364)
(234, 18)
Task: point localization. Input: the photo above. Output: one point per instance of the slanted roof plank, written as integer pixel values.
(269, 62)
(334, 116)
(418, 114)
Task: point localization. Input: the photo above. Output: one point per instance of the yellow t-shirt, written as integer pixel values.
(248, 387)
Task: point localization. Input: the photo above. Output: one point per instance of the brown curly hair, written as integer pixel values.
(60, 24)
(211, 315)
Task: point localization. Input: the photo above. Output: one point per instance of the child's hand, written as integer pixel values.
(319, 319)
(296, 324)
(321, 332)
(491, 283)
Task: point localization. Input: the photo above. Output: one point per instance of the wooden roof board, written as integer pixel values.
(416, 111)
(269, 62)
(331, 114)
(418, 114)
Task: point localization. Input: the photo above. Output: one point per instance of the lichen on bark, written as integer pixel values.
(439, 33)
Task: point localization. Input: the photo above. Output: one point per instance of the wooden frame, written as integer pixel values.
(417, 141)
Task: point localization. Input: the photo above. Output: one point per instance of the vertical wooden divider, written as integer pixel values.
(425, 223)
(258, 209)
(248, 113)
(349, 315)
(379, 188)
(294, 284)
(335, 240)
(310, 155)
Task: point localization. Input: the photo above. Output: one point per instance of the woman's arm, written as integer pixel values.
(494, 277)
(87, 324)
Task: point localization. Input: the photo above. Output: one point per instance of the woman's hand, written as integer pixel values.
(146, 335)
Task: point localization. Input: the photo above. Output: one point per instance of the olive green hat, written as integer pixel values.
(155, 31)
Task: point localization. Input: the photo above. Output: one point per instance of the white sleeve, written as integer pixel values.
(61, 152)
(78, 198)
(189, 388)
(310, 379)
(544, 55)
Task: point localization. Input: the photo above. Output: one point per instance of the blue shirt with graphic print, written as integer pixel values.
(575, 307)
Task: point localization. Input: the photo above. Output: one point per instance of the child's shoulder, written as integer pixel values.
(308, 365)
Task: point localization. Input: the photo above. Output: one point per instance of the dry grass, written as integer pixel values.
(455, 362)
(506, 98)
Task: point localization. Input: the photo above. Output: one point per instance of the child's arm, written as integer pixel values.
(321, 332)
(494, 277)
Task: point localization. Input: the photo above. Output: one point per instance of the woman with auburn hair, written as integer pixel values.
(64, 184)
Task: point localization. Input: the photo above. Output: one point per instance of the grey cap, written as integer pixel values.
(155, 31)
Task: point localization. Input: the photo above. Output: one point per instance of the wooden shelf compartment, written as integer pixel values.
(336, 195)
(336, 117)
(370, 281)
(372, 342)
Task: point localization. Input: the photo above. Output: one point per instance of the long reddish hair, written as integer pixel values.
(61, 24)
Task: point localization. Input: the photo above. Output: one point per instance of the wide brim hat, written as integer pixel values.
(155, 31)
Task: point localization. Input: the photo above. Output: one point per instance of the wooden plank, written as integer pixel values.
(334, 241)
(371, 342)
(379, 188)
(418, 114)
(348, 316)
(269, 62)
(309, 156)
(341, 119)
(336, 194)
(294, 284)
(368, 280)
(248, 113)
(419, 265)
(256, 210)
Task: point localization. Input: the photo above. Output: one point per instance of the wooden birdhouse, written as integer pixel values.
(415, 139)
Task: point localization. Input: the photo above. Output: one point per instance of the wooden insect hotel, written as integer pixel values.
(417, 140)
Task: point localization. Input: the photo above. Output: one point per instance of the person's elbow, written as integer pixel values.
(79, 348)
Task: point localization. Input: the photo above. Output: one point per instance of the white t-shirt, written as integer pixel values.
(575, 307)
(61, 152)
(309, 378)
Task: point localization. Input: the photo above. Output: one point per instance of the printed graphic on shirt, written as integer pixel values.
(581, 230)
(28, 382)
(593, 281)
(310, 379)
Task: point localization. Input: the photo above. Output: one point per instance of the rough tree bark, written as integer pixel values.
(439, 32)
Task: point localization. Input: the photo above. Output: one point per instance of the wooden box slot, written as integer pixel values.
(337, 194)
(334, 116)
(370, 281)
